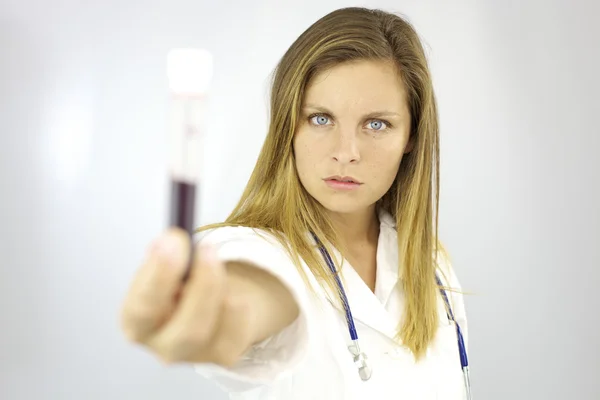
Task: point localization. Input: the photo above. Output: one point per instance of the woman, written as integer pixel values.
(346, 181)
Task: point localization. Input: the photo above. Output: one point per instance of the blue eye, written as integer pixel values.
(378, 125)
(319, 120)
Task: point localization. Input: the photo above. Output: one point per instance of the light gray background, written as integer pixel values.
(83, 106)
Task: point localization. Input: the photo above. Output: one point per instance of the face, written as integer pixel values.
(355, 125)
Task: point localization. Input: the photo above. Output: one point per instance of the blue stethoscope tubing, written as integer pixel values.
(360, 358)
(462, 349)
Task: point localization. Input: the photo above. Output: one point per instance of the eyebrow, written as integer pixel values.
(373, 114)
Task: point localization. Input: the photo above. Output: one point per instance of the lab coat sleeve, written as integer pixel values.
(456, 295)
(277, 356)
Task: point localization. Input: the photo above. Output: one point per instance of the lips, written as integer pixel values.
(345, 179)
(342, 183)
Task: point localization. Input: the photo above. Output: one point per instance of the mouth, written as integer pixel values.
(342, 182)
(344, 179)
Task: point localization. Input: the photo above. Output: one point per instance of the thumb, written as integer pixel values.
(151, 297)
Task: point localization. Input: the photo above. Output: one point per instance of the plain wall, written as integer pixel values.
(83, 115)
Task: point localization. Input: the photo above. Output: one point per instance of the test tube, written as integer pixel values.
(189, 73)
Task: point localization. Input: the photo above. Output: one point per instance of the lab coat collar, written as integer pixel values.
(386, 219)
(387, 258)
(371, 308)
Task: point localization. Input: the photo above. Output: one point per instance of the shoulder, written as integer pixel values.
(242, 237)
(446, 271)
(453, 288)
(245, 244)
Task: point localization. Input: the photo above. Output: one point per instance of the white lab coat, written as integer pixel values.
(310, 358)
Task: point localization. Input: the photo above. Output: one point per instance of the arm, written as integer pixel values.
(215, 316)
(271, 304)
(281, 341)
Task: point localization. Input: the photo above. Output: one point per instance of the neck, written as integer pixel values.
(357, 228)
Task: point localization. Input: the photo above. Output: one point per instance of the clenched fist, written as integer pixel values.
(210, 317)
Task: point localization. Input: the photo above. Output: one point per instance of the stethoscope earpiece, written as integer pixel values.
(361, 362)
(364, 370)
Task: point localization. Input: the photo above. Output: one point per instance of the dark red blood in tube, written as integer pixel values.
(183, 200)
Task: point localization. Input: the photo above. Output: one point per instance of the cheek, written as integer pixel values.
(304, 156)
(306, 152)
(385, 162)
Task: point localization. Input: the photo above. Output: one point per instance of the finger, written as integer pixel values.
(153, 290)
(195, 318)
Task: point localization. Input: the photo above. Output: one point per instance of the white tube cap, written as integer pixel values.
(189, 71)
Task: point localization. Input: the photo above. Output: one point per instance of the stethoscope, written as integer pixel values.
(360, 358)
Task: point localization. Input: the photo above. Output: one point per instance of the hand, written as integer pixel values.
(199, 320)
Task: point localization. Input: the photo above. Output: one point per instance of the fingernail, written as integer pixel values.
(167, 248)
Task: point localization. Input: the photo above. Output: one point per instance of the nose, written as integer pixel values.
(346, 149)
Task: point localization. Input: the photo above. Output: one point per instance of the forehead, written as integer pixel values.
(359, 84)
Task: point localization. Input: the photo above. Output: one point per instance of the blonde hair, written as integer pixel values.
(274, 200)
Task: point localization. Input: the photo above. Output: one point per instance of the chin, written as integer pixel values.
(344, 206)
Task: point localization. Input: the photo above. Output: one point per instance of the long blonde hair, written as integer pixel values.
(274, 199)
